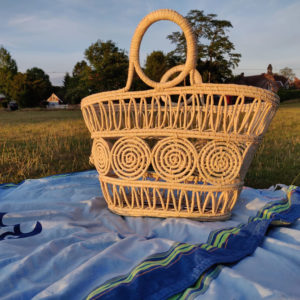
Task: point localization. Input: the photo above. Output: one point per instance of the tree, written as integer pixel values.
(31, 88)
(108, 65)
(19, 89)
(6, 61)
(28, 89)
(288, 73)
(215, 57)
(81, 69)
(156, 65)
(39, 86)
(8, 69)
(77, 86)
(74, 89)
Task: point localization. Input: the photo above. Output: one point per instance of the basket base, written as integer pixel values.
(165, 200)
(169, 214)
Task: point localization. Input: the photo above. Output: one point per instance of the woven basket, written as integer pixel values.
(175, 151)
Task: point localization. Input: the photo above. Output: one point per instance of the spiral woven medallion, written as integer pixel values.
(100, 154)
(130, 157)
(174, 159)
(219, 162)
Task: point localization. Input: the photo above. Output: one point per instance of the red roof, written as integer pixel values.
(54, 99)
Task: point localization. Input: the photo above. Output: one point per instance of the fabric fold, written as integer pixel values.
(83, 246)
(167, 274)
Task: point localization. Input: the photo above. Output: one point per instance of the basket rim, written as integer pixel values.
(207, 88)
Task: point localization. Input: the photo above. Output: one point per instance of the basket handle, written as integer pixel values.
(195, 77)
(134, 62)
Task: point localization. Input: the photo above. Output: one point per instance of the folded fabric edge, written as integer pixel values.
(14, 185)
(199, 264)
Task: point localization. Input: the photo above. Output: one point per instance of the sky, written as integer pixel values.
(53, 35)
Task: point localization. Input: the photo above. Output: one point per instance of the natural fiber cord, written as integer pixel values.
(175, 151)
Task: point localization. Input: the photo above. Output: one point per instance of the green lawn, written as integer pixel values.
(278, 158)
(40, 143)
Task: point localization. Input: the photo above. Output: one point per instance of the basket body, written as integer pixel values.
(176, 151)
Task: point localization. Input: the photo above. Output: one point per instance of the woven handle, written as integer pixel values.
(134, 62)
(195, 77)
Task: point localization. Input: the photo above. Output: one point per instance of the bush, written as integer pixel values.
(288, 94)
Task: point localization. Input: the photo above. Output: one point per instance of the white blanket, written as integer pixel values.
(59, 241)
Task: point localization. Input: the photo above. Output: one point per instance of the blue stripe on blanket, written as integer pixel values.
(201, 285)
(186, 270)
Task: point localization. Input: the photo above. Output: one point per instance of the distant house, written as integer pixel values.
(268, 81)
(54, 102)
(296, 83)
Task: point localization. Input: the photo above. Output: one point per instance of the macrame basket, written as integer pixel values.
(175, 151)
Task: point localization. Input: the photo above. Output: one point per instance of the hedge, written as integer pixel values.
(288, 94)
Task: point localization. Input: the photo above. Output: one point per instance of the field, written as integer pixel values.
(40, 143)
(36, 143)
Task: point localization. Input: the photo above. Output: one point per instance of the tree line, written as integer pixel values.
(105, 65)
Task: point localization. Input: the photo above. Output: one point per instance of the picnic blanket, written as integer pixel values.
(59, 241)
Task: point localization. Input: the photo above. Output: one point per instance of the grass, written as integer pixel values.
(278, 158)
(40, 143)
(35, 144)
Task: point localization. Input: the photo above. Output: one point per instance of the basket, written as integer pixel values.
(175, 151)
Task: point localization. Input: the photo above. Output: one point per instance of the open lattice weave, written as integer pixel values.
(175, 151)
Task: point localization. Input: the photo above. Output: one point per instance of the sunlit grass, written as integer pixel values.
(41, 143)
(278, 158)
(35, 144)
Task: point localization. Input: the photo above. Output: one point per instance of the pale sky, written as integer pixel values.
(53, 35)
